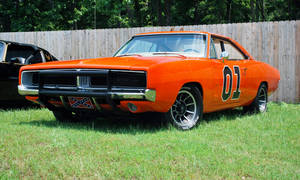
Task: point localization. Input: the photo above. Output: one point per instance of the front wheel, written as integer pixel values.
(187, 110)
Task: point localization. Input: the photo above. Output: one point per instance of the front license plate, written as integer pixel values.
(81, 102)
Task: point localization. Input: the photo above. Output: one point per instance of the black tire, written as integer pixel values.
(69, 116)
(187, 110)
(259, 104)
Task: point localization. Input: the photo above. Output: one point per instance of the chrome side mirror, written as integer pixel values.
(224, 55)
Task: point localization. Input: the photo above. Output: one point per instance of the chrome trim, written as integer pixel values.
(59, 87)
(149, 94)
(26, 91)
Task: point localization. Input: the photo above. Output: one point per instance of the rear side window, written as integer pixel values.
(48, 57)
(224, 45)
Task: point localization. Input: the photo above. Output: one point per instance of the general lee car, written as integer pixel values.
(180, 74)
(13, 55)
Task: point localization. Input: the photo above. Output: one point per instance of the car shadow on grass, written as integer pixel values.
(111, 124)
(229, 115)
(147, 123)
(11, 105)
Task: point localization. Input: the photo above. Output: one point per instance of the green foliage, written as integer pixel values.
(225, 145)
(46, 15)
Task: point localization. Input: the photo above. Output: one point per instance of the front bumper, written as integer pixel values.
(147, 94)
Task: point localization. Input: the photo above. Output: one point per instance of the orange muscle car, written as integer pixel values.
(180, 74)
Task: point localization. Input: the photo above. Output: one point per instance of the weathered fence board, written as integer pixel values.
(276, 43)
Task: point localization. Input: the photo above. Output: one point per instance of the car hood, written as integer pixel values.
(128, 63)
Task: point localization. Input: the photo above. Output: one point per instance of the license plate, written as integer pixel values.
(81, 102)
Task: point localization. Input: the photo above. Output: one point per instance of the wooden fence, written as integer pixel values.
(276, 43)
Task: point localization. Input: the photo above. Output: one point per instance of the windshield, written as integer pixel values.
(2, 46)
(193, 45)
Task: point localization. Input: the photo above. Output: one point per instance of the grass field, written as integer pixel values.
(226, 145)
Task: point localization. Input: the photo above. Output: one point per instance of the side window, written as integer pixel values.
(223, 45)
(212, 50)
(14, 50)
(36, 57)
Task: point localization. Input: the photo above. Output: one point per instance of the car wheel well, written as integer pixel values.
(196, 84)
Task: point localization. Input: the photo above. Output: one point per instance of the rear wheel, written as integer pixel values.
(187, 109)
(259, 105)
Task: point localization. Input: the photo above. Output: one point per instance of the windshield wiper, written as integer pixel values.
(123, 55)
(168, 53)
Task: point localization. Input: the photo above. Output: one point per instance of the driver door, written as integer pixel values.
(230, 73)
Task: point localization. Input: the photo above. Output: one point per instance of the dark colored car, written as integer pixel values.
(13, 55)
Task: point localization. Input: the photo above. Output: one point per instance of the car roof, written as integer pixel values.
(172, 32)
(22, 44)
(181, 32)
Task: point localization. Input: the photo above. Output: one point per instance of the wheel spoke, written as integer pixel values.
(186, 98)
(190, 104)
(191, 112)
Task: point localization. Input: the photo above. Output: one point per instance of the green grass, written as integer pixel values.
(226, 145)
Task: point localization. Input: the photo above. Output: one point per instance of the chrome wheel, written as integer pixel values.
(183, 110)
(260, 103)
(187, 108)
(262, 100)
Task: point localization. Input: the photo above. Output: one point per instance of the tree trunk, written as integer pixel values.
(289, 9)
(262, 9)
(228, 11)
(257, 9)
(168, 4)
(196, 13)
(137, 12)
(252, 11)
(159, 12)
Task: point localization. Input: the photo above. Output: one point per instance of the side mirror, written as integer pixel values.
(17, 60)
(224, 55)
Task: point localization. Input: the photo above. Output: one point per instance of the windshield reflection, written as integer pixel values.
(192, 45)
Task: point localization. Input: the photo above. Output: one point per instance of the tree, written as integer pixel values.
(46, 15)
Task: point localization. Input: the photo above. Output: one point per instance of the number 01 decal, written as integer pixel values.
(228, 73)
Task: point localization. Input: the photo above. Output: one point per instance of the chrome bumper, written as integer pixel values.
(148, 94)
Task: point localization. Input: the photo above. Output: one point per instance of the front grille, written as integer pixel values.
(89, 80)
(35, 79)
(99, 80)
(59, 80)
(127, 79)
